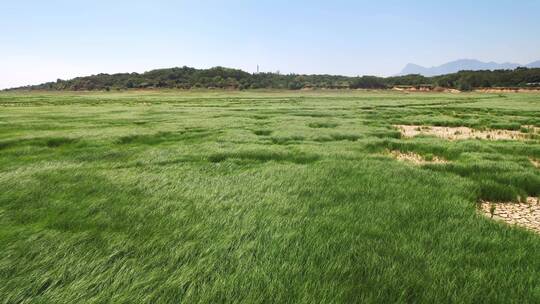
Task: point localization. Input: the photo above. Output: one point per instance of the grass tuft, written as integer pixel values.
(262, 132)
(322, 125)
(59, 141)
(264, 156)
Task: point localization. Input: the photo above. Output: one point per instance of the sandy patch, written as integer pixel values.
(535, 162)
(455, 133)
(416, 158)
(525, 215)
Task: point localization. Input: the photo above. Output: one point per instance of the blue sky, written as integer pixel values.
(45, 40)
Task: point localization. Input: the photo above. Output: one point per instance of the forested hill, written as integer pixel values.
(226, 78)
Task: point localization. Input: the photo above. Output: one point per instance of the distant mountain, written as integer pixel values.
(535, 64)
(460, 65)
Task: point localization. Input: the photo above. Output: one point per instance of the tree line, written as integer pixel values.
(226, 78)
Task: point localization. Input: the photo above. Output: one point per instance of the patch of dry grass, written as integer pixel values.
(457, 133)
(417, 158)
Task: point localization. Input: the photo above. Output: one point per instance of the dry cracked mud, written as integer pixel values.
(526, 215)
(456, 133)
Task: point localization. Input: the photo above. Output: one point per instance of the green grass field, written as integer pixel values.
(275, 197)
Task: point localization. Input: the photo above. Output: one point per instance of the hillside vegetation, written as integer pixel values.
(225, 78)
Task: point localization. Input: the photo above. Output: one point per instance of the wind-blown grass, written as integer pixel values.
(169, 196)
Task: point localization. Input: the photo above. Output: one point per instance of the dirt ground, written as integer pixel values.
(455, 133)
(525, 215)
(416, 158)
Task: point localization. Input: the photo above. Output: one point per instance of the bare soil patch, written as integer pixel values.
(416, 158)
(525, 215)
(535, 162)
(456, 133)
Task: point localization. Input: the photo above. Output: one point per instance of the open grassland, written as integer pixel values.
(167, 197)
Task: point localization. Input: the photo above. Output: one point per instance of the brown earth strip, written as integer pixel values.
(526, 215)
(456, 133)
(416, 158)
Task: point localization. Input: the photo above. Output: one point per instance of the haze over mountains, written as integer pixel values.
(461, 65)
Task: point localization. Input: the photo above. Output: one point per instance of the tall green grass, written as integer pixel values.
(205, 197)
